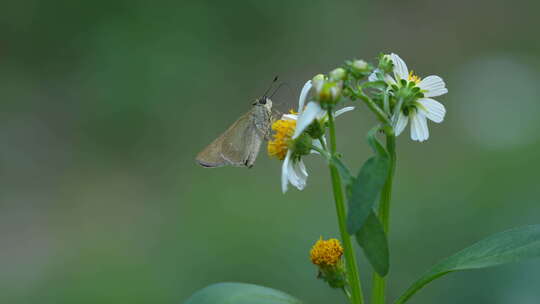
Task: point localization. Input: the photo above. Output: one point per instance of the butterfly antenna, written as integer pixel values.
(271, 85)
(281, 85)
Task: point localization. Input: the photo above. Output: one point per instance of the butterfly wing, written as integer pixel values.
(238, 146)
(242, 148)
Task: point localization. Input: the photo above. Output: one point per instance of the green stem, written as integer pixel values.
(350, 256)
(379, 283)
(381, 115)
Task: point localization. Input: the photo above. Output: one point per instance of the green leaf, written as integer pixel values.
(513, 245)
(372, 238)
(365, 190)
(240, 293)
(343, 170)
(375, 144)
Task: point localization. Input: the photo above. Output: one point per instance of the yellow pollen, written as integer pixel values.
(326, 253)
(284, 130)
(414, 78)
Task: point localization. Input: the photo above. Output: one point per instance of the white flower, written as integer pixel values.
(420, 109)
(293, 170)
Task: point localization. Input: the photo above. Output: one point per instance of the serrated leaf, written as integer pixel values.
(240, 293)
(372, 238)
(364, 191)
(513, 245)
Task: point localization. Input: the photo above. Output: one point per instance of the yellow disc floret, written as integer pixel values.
(284, 130)
(326, 253)
(414, 78)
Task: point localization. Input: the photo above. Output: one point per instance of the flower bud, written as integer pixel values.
(385, 63)
(360, 66)
(336, 90)
(326, 254)
(338, 74)
(330, 93)
(318, 82)
(326, 92)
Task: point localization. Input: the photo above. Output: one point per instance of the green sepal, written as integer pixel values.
(333, 275)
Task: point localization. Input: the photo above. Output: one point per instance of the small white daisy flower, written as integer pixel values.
(290, 127)
(419, 109)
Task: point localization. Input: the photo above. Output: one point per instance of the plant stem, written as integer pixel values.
(379, 283)
(381, 115)
(350, 256)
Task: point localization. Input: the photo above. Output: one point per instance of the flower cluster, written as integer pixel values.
(394, 93)
(298, 134)
(415, 96)
(326, 254)
(284, 130)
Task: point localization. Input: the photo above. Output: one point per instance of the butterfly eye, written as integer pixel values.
(262, 100)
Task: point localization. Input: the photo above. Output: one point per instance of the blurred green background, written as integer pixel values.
(106, 103)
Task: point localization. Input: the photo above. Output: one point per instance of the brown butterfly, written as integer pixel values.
(240, 144)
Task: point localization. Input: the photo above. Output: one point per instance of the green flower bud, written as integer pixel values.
(385, 63)
(338, 74)
(360, 66)
(334, 276)
(330, 93)
(318, 82)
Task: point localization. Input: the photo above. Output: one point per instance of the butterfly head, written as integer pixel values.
(263, 102)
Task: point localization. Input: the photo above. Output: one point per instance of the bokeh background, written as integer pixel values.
(106, 103)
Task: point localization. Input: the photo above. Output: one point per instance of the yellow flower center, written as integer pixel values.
(326, 253)
(284, 130)
(414, 78)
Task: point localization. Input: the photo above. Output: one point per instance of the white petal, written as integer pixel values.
(298, 175)
(373, 76)
(432, 109)
(419, 129)
(303, 170)
(387, 78)
(401, 123)
(343, 110)
(312, 111)
(323, 116)
(289, 117)
(433, 86)
(303, 95)
(293, 177)
(285, 172)
(316, 143)
(400, 68)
